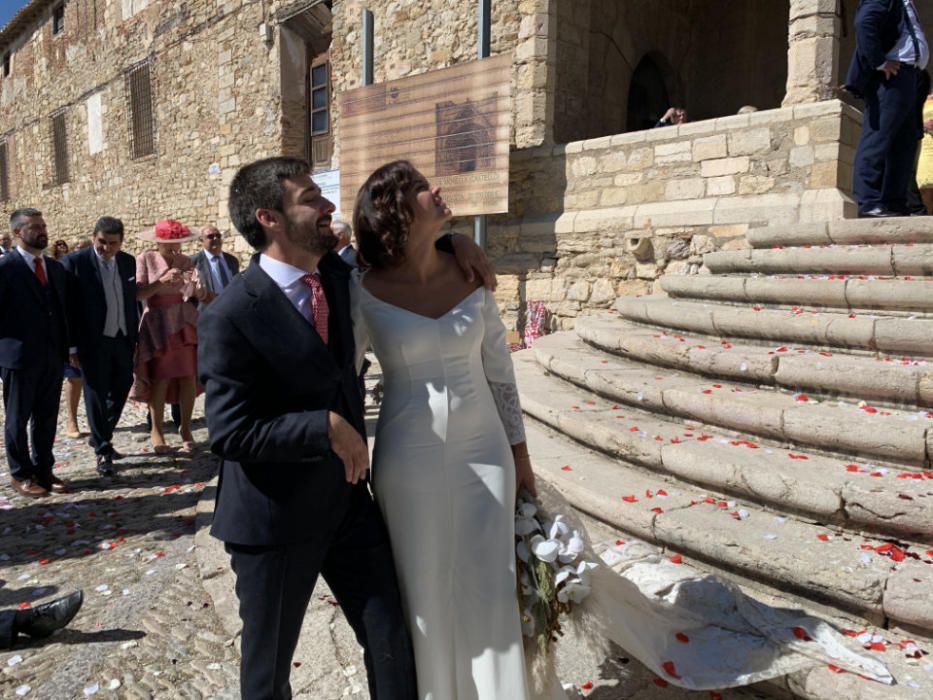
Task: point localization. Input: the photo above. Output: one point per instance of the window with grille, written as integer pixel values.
(60, 148)
(4, 176)
(320, 99)
(58, 19)
(139, 94)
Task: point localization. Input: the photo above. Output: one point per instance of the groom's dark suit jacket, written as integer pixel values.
(270, 382)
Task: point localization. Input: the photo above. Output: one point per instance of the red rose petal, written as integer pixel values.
(657, 510)
(25, 604)
(629, 499)
(587, 686)
(681, 637)
(661, 683)
(823, 536)
(668, 667)
(567, 468)
(677, 559)
(801, 633)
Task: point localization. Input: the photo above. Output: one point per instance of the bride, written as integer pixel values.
(450, 457)
(450, 450)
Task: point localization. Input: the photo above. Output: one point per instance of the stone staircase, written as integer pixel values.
(771, 421)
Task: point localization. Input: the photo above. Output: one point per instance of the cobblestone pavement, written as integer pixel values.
(157, 621)
(147, 627)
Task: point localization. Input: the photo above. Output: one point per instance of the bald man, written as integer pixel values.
(215, 267)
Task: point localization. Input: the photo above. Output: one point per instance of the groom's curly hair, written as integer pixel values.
(382, 215)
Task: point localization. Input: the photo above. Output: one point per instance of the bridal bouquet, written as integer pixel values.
(553, 576)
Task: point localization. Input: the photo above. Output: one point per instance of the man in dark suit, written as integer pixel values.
(285, 412)
(34, 345)
(215, 267)
(344, 247)
(890, 50)
(106, 319)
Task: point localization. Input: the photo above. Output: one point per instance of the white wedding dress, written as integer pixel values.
(444, 479)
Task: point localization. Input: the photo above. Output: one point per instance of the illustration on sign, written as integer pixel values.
(466, 137)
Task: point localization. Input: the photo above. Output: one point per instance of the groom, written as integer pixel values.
(285, 413)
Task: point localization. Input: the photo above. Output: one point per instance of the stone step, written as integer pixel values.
(895, 335)
(895, 260)
(891, 436)
(877, 378)
(827, 487)
(852, 293)
(915, 229)
(914, 677)
(824, 564)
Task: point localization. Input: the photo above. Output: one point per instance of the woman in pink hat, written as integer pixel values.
(166, 358)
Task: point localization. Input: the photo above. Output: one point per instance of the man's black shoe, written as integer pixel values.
(878, 213)
(114, 455)
(105, 465)
(44, 619)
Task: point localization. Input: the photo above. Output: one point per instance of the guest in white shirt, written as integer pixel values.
(102, 297)
(215, 267)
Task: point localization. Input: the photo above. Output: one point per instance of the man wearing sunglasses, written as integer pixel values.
(215, 267)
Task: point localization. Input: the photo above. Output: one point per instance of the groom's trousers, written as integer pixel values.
(274, 586)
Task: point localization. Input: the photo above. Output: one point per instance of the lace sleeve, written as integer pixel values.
(500, 374)
(510, 410)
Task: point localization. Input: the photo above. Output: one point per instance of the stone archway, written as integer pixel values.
(648, 92)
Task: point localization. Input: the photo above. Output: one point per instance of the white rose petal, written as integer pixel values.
(546, 550)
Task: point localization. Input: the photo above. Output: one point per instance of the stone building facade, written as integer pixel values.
(144, 109)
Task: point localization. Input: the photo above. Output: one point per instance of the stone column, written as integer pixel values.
(533, 94)
(814, 28)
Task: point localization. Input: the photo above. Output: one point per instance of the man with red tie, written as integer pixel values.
(33, 346)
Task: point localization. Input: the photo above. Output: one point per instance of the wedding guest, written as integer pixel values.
(59, 250)
(344, 247)
(34, 335)
(215, 267)
(166, 359)
(103, 291)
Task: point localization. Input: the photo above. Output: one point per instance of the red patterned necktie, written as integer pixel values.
(40, 271)
(320, 312)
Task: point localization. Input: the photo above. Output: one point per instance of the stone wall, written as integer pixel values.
(412, 38)
(597, 219)
(216, 104)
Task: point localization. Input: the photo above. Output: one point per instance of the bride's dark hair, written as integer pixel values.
(382, 215)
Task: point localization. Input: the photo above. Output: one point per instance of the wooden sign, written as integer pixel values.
(452, 124)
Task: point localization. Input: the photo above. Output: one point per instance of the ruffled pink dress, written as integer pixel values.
(168, 331)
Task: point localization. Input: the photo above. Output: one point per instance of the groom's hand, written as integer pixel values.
(349, 446)
(473, 261)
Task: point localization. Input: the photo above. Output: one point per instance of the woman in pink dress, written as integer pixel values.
(166, 358)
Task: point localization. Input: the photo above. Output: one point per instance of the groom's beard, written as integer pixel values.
(319, 240)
